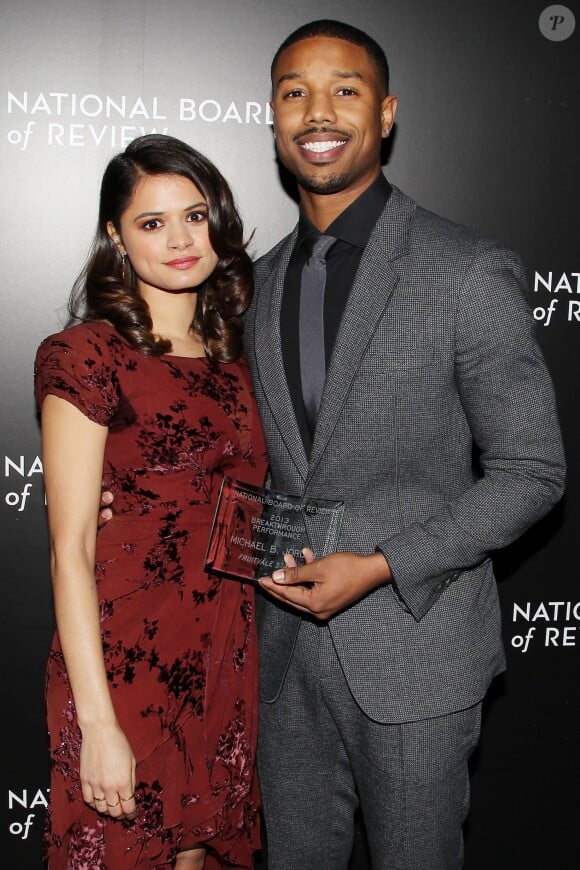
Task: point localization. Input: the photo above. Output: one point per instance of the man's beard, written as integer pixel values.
(333, 183)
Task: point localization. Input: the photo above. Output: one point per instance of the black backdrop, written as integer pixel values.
(487, 134)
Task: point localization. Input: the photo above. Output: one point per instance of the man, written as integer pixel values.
(375, 659)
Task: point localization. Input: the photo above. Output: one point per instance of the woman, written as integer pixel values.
(152, 676)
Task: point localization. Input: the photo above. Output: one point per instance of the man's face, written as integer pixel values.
(330, 113)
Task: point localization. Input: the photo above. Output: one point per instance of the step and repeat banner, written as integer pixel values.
(487, 134)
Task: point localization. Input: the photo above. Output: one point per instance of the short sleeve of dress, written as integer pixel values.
(78, 365)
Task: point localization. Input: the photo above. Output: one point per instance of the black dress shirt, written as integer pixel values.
(352, 229)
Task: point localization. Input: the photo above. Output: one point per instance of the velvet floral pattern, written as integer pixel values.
(179, 644)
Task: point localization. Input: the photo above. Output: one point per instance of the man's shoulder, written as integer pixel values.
(430, 231)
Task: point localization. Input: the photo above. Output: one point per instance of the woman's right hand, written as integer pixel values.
(107, 771)
(73, 449)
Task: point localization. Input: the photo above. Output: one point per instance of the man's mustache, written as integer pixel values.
(317, 130)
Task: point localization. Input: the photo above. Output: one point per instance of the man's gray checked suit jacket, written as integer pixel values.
(435, 353)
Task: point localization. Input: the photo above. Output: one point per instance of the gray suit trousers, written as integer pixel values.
(320, 756)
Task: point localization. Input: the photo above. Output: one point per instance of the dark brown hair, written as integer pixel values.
(107, 287)
(339, 30)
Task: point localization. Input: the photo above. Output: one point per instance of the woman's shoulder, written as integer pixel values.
(242, 371)
(96, 339)
(82, 364)
(88, 332)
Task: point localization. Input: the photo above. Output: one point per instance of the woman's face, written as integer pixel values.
(164, 232)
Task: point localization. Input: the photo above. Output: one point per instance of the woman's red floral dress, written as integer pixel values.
(179, 644)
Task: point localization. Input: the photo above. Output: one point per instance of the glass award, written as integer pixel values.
(254, 528)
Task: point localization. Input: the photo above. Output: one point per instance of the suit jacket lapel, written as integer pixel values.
(370, 295)
(269, 361)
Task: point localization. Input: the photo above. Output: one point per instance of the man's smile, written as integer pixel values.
(321, 147)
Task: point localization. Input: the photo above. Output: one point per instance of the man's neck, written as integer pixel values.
(322, 209)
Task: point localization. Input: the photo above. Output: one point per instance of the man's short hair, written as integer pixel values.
(339, 30)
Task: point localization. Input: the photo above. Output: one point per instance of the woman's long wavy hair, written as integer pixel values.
(107, 289)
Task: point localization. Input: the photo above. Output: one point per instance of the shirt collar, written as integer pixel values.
(355, 224)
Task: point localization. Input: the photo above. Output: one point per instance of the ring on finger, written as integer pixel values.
(124, 800)
(112, 806)
(100, 799)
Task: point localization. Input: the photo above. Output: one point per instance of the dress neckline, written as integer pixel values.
(122, 338)
(171, 356)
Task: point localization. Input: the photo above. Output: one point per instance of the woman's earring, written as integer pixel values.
(123, 274)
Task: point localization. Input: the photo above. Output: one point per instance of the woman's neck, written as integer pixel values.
(172, 315)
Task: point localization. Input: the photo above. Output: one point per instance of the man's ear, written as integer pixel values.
(388, 112)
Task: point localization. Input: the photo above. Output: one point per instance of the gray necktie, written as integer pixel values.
(311, 328)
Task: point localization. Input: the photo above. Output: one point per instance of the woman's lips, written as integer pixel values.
(183, 262)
